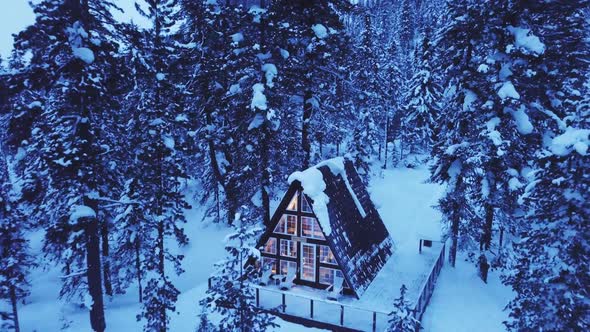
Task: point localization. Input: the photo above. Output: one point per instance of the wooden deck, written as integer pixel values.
(309, 307)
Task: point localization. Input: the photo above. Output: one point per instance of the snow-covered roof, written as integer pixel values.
(348, 218)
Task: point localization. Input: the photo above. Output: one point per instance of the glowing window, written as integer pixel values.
(269, 263)
(311, 228)
(327, 275)
(271, 246)
(293, 204)
(326, 255)
(286, 265)
(287, 225)
(308, 262)
(288, 248)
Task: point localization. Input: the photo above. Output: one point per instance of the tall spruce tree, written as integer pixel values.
(485, 133)
(549, 274)
(16, 260)
(422, 100)
(317, 42)
(156, 177)
(71, 43)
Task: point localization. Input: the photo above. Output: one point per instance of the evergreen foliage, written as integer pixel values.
(230, 294)
(402, 317)
(105, 123)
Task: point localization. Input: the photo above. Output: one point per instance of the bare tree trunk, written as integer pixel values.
(161, 265)
(386, 140)
(305, 132)
(106, 265)
(13, 301)
(401, 147)
(138, 268)
(455, 220)
(454, 238)
(265, 176)
(486, 241)
(97, 320)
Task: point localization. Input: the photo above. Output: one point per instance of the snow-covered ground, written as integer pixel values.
(461, 302)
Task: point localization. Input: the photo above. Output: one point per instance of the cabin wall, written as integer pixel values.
(300, 240)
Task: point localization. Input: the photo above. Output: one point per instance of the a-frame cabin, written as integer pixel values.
(327, 226)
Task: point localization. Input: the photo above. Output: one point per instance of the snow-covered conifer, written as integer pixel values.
(230, 293)
(402, 316)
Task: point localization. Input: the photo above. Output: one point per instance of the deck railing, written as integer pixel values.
(322, 310)
(336, 313)
(428, 286)
(325, 312)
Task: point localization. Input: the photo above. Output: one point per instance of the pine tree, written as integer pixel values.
(549, 273)
(317, 46)
(129, 231)
(16, 260)
(371, 106)
(402, 317)
(225, 68)
(421, 107)
(230, 294)
(204, 324)
(484, 136)
(159, 161)
(406, 36)
(71, 44)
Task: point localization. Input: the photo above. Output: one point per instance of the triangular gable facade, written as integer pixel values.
(356, 247)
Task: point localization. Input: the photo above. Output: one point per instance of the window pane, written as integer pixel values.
(291, 225)
(305, 206)
(286, 265)
(317, 231)
(311, 228)
(293, 203)
(326, 255)
(288, 248)
(326, 276)
(306, 226)
(280, 226)
(270, 246)
(287, 225)
(269, 263)
(308, 262)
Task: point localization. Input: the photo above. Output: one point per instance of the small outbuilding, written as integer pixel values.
(326, 231)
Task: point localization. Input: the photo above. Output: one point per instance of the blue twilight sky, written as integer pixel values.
(15, 15)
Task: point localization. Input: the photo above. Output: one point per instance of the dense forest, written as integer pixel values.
(103, 123)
